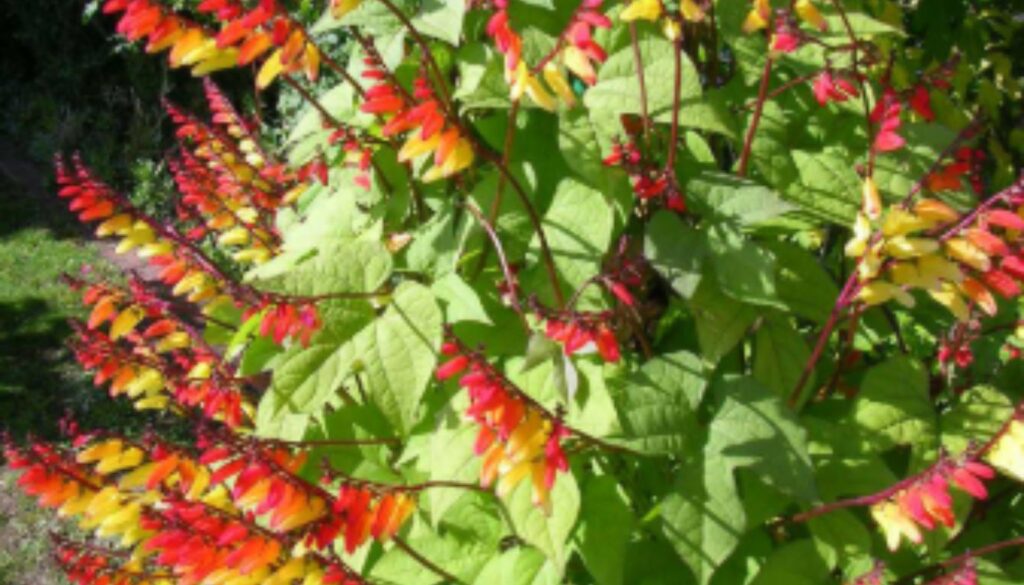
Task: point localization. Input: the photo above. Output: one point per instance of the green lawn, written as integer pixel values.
(39, 379)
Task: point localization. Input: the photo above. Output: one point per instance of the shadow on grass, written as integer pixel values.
(39, 378)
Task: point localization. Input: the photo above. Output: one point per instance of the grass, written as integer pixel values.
(39, 379)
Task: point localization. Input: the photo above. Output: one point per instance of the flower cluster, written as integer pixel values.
(926, 502)
(151, 355)
(233, 515)
(950, 176)
(517, 438)
(578, 331)
(91, 565)
(576, 52)
(281, 320)
(786, 36)
(248, 34)
(653, 10)
(189, 43)
(650, 182)
(180, 265)
(975, 257)
(831, 86)
(363, 513)
(421, 117)
(886, 118)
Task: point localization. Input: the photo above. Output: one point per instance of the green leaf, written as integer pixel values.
(802, 284)
(462, 302)
(735, 199)
(355, 266)
(462, 552)
(779, 356)
(519, 566)
(979, 413)
(894, 406)
(796, 563)
(676, 251)
(721, 322)
(393, 356)
(658, 403)
(755, 430)
(616, 91)
(605, 529)
(704, 517)
(839, 536)
(441, 19)
(451, 459)
(548, 532)
(745, 271)
(829, 188)
(577, 253)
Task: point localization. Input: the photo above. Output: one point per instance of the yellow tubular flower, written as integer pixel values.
(949, 297)
(558, 84)
(935, 211)
(691, 11)
(238, 236)
(856, 247)
(511, 479)
(870, 264)
(100, 451)
(339, 8)
(903, 247)
(809, 13)
(880, 291)
(224, 59)
(125, 322)
(139, 235)
(207, 49)
(460, 158)
(157, 248)
(578, 62)
(671, 29)
(415, 146)
(176, 340)
(969, 254)
(121, 461)
(899, 222)
(871, 201)
(649, 10)
(895, 524)
(758, 16)
(935, 266)
(119, 224)
(906, 274)
(539, 95)
(270, 69)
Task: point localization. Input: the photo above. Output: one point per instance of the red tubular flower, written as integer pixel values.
(517, 438)
(578, 331)
(926, 501)
(886, 115)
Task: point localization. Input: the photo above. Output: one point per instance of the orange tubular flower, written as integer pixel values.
(576, 53)
(926, 501)
(517, 439)
(182, 266)
(423, 123)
